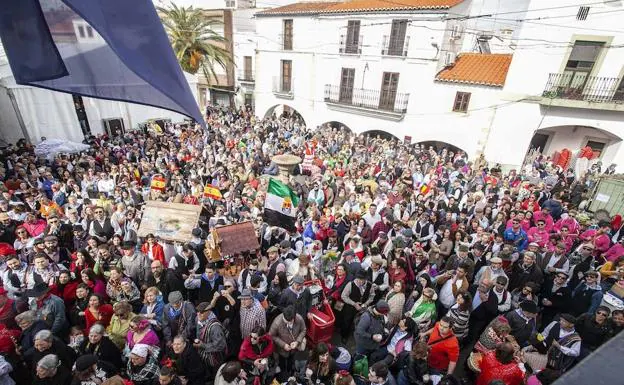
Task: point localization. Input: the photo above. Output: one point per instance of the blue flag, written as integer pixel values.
(107, 49)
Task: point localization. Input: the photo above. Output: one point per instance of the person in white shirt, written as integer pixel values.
(106, 184)
(560, 348)
(372, 217)
(451, 285)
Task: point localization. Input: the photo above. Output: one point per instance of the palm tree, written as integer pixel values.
(194, 41)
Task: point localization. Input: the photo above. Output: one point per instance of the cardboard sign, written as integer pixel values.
(169, 221)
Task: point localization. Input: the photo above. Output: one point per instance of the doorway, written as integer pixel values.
(81, 114)
(539, 142)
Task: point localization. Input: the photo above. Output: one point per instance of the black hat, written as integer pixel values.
(77, 227)
(196, 232)
(85, 361)
(361, 274)
(568, 317)
(38, 290)
(529, 307)
(128, 245)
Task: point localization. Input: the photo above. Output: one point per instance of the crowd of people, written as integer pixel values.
(423, 255)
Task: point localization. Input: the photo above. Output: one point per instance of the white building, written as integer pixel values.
(467, 73)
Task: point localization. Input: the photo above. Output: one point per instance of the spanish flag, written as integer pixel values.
(159, 183)
(212, 192)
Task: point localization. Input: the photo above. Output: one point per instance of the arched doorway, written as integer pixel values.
(284, 111)
(439, 146)
(551, 141)
(380, 134)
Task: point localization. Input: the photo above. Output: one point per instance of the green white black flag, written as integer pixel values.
(280, 205)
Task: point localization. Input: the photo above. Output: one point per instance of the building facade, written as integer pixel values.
(476, 75)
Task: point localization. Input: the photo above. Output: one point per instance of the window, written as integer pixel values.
(597, 147)
(249, 99)
(619, 92)
(248, 72)
(346, 85)
(461, 102)
(81, 31)
(352, 45)
(582, 13)
(580, 63)
(389, 85)
(89, 31)
(286, 80)
(397, 37)
(230, 3)
(288, 35)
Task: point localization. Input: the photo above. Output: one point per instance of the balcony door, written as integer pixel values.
(346, 85)
(353, 36)
(580, 64)
(389, 85)
(288, 35)
(397, 37)
(247, 68)
(286, 80)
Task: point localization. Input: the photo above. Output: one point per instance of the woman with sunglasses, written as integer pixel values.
(24, 242)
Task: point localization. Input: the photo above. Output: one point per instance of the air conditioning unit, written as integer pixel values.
(114, 126)
(449, 59)
(456, 32)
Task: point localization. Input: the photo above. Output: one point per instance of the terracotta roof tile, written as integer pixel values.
(303, 8)
(390, 5)
(477, 69)
(359, 6)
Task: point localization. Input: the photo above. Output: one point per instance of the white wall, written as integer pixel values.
(533, 61)
(317, 62)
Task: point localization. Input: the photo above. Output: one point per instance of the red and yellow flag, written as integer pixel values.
(158, 183)
(212, 192)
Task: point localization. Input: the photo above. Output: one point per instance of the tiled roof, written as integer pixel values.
(390, 5)
(298, 9)
(478, 69)
(359, 6)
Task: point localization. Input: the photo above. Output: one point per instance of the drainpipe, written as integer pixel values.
(18, 114)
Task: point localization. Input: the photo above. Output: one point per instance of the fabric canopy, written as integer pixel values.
(108, 49)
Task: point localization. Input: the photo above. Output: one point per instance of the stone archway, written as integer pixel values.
(380, 134)
(439, 145)
(284, 110)
(551, 141)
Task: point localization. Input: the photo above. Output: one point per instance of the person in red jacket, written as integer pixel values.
(65, 288)
(500, 364)
(444, 347)
(257, 346)
(153, 249)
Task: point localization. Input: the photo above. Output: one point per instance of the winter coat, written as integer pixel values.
(283, 336)
(369, 325)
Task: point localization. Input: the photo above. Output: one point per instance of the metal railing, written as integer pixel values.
(375, 99)
(245, 75)
(285, 41)
(587, 88)
(350, 46)
(283, 87)
(395, 46)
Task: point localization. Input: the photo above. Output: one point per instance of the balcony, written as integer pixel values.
(350, 47)
(283, 88)
(395, 46)
(384, 104)
(245, 76)
(285, 42)
(593, 92)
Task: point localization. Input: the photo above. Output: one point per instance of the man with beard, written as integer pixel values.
(164, 279)
(105, 261)
(135, 264)
(58, 255)
(80, 237)
(487, 274)
(14, 276)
